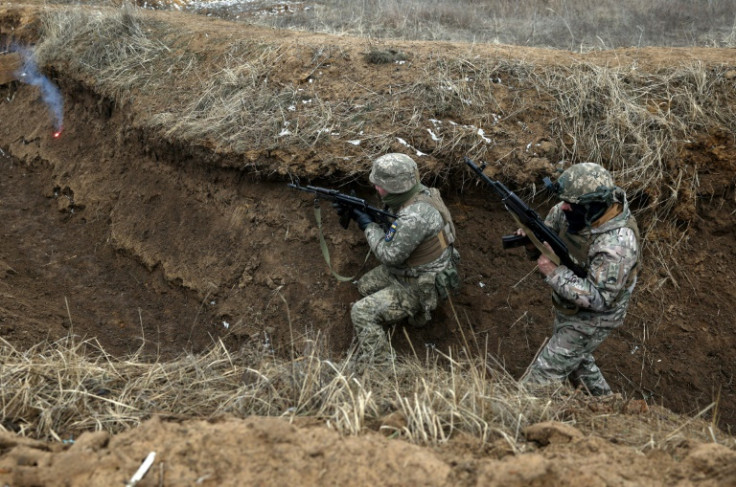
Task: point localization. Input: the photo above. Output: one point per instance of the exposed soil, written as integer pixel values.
(115, 233)
(271, 451)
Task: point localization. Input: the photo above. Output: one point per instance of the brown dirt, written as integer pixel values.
(115, 233)
(271, 451)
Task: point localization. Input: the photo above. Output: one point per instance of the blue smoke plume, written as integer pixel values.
(29, 73)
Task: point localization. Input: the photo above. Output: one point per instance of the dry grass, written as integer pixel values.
(57, 390)
(563, 24)
(634, 123)
(129, 59)
(235, 104)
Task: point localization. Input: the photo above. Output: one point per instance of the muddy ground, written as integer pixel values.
(114, 232)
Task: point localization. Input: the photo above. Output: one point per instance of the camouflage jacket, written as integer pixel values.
(612, 255)
(415, 223)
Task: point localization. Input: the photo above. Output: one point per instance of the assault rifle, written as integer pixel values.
(536, 231)
(346, 203)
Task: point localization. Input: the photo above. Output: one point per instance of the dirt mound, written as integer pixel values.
(272, 451)
(140, 236)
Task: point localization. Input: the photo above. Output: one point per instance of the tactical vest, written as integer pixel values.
(432, 248)
(578, 246)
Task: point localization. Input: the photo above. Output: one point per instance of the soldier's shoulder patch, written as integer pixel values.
(390, 233)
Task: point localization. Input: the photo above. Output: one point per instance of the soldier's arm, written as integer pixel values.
(613, 260)
(409, 230)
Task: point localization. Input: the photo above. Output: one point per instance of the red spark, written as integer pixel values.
(57, 134)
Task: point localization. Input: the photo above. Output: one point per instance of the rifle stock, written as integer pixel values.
(528, 219)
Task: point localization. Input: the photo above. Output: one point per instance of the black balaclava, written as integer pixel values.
(581, 216)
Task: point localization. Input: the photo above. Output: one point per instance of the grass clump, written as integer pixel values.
(385, 56)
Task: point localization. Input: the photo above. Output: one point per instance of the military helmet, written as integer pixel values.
(585, 183)
(396, 173)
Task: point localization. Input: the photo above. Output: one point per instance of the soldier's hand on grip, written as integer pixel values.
(361, 218)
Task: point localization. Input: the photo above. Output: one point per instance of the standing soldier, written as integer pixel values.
(417, 256)
(601, 234)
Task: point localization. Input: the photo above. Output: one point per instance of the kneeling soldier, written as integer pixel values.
(417, 255)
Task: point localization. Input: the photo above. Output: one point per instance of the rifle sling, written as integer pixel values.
(326, 252)
(539, 245)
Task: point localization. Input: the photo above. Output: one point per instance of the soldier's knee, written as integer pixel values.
(362, 314)
(363, 287)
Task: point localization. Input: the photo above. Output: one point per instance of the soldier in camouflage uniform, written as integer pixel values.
(417, 255)
(601, 234)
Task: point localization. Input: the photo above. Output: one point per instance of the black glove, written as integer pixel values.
(339, 208)
(361, 218)
(343, 213)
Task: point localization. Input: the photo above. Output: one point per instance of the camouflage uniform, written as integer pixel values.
(588, 309)
(416, 254)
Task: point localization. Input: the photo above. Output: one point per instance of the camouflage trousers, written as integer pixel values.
(568, 355)
(388, 300)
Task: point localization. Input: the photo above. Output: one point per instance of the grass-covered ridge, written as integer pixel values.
(632, 121)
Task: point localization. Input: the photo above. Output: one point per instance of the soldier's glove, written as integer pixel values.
(343, 212)
(339, 208)
(361, 218)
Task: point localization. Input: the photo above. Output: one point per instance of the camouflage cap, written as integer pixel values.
(396, 173)
(586, 182)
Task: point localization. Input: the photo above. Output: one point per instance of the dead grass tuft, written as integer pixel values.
(110, 48)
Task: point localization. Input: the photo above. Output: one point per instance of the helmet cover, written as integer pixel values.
(585, 183)
(396, 173)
